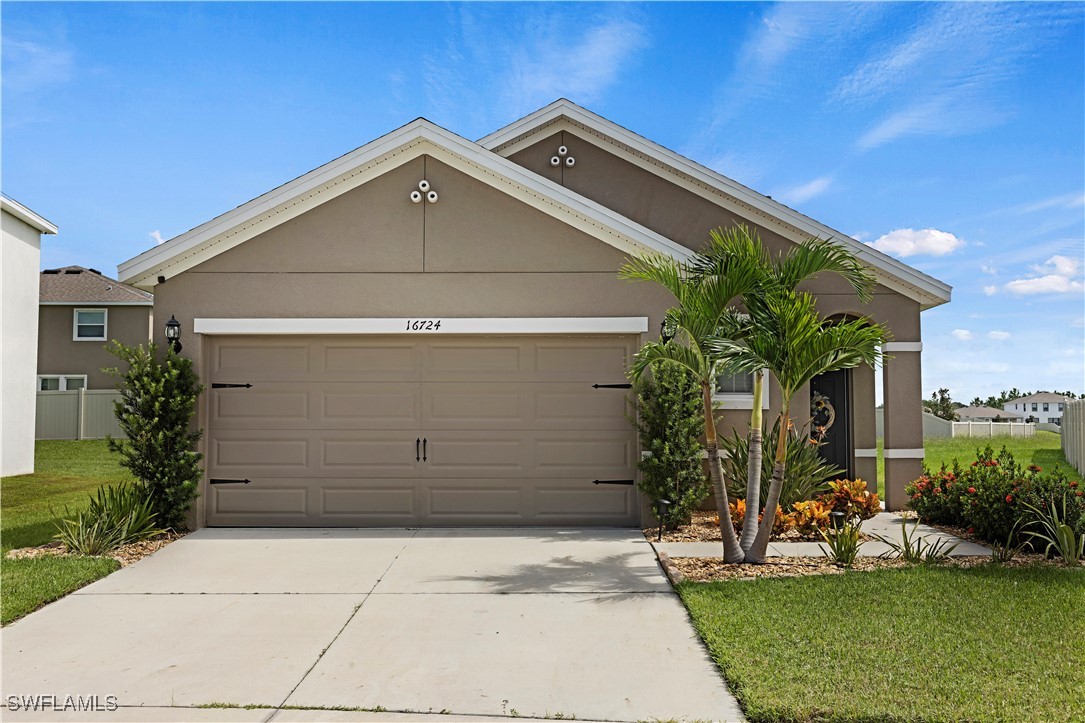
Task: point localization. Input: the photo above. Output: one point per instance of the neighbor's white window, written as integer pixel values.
(89, 325)
(62, 382)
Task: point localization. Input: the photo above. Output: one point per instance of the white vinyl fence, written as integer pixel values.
(1073, 434)
(993, 429)
(77, 414)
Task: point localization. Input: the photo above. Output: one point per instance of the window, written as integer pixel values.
(90, 325)
(1034, 406)
(62, 382)
(1045, 407)
(737, 384)
(1060, 406)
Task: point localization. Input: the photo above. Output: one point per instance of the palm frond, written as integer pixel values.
(815, 256)
(660, 269)
(672, 353)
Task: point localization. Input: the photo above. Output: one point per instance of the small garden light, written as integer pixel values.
(666, 334)
(836, 520)
(173, 334)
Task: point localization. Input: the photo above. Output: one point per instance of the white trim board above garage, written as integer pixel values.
(429, 325)
(564, 115)
(418, 138)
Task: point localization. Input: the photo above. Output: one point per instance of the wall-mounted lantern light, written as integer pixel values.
(173, 334)
(666, 332)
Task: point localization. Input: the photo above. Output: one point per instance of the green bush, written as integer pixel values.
(158, 398)
(670, 423)
(806, 473)
(995, 497)
(116, 516)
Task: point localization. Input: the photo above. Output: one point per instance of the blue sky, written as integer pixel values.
(949, 135)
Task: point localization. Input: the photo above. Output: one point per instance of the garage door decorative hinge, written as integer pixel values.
(219, 481)
(613, 482)
(611, 386)
(221, 385)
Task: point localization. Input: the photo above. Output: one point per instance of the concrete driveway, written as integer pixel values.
(551, 623)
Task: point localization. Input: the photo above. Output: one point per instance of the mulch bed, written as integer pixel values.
(703, 527)
(125, 554)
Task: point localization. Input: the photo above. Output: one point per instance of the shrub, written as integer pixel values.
(670, 422)
(1054, 530)
(115, 517)
(916, 550)
(781, 523)
(852, 498)
(843, 544)
(995, 497)
(158, 397)
(806, 472)
(810, 516)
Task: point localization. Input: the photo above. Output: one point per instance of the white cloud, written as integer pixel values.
(988, 269)
(1066, 201)
(1058, 275)
(990, 290)
(998, 335)
(904, 242)
(807, 191)
(962, 334)
(156, 236)
(944, 75)
(31, 67)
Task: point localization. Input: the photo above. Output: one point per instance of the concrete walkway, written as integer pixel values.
(513, 623)
(886, 524)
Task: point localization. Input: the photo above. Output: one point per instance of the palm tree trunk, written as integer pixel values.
(732, 551)
(753, 466)
(759, 549)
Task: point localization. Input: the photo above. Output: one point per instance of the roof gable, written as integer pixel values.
(417, 138)
(565, 115)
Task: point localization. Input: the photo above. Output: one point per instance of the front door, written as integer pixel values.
(830, 402)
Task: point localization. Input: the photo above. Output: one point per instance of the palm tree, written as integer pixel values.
(705, 306)
(779, 273)
(788, 337)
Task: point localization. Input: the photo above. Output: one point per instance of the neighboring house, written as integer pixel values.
(80, 311)
(20, 260)
(431, 331)
(987, 414)
(1040, 407)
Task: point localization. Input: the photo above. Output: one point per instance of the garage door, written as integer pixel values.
(365, 431)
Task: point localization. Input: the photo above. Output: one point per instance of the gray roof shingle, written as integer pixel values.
(79, 285)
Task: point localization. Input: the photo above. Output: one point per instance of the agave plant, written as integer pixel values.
(116, 516)
(1058, 535)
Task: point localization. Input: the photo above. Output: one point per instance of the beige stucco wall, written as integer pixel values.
(58, 353)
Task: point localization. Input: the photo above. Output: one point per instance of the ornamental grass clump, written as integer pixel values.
(116, 516)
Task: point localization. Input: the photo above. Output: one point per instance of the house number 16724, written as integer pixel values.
(423, 324)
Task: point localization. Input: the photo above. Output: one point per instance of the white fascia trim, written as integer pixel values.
(370, 161)
(448, 326)
(27, 216)
(927, 290)
(915, 453)
(902, 346)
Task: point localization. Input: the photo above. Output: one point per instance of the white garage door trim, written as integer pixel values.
(427, 325)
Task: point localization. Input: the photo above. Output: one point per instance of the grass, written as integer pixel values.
(916, 644)
(1043, 449)
(66, 474)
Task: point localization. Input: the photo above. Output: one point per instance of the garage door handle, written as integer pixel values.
(424, 443)
(611, 386)
(417, 457)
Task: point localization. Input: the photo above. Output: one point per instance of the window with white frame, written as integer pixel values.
(736, 392)
(1060, 406)
(61, 382)
(89, 325)
(734, 384)
(1045, 407)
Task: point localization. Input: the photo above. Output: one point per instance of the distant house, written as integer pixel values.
(1040, 407)
(79, 311)
(20, 258)
(987, 414)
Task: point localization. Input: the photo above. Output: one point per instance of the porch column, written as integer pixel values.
(864, 435)
(903, 394)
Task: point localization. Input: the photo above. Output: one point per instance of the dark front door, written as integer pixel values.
(830, 401)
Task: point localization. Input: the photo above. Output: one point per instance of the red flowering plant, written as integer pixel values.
(993, 496)
(937, 496)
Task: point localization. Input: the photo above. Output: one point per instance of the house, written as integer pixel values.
(431, 331)
(1039, 407)
(79, 312)
(22, 230)
(987, 414)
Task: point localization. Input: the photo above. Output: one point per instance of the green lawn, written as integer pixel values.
(67, 472)
(919, 644)
(1043, 449)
